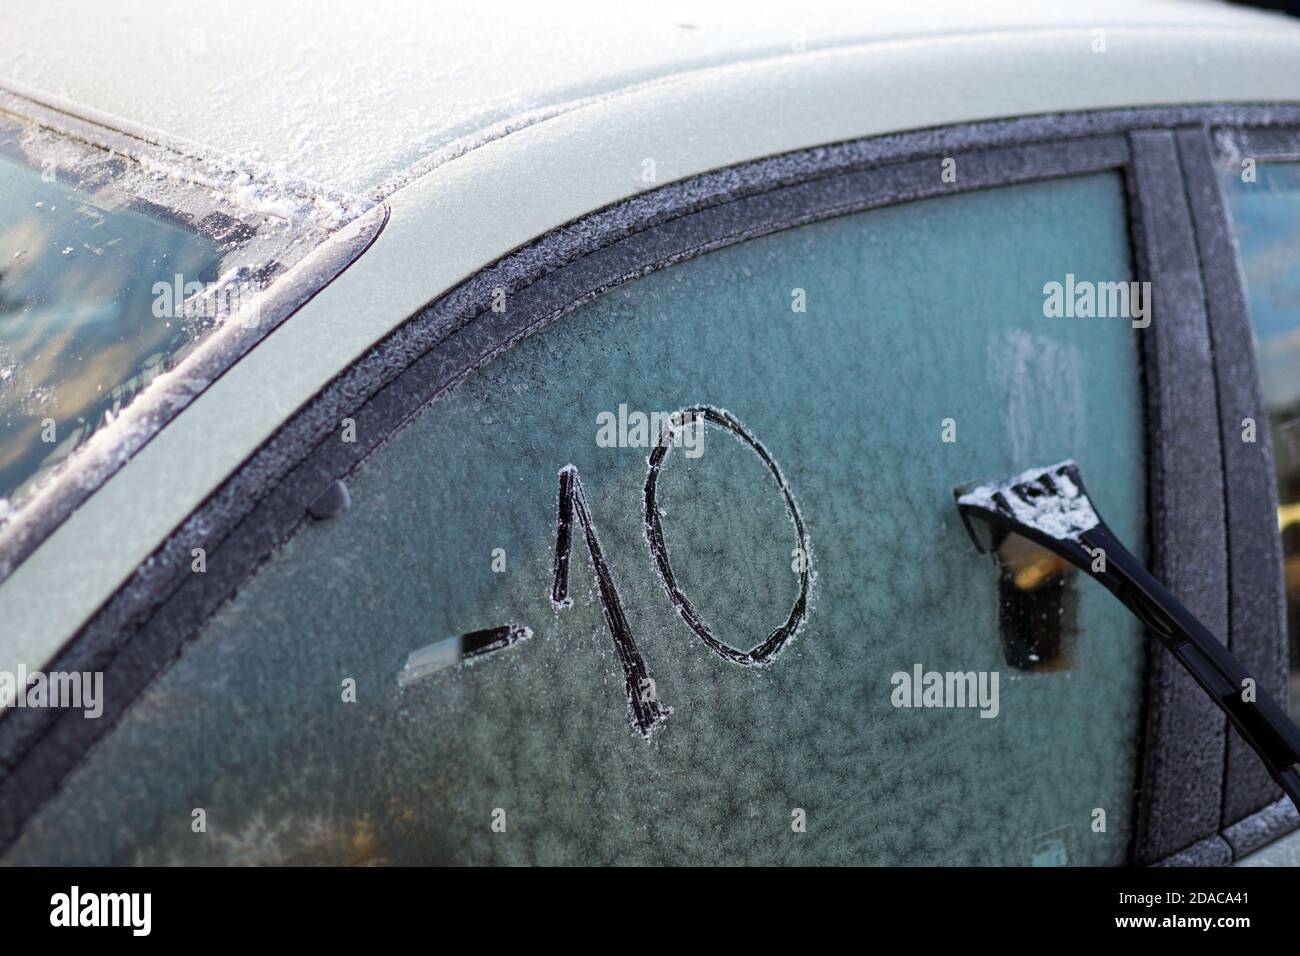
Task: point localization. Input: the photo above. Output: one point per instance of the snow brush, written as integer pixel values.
(1049, 507)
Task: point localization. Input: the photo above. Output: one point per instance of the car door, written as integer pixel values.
(472, 605)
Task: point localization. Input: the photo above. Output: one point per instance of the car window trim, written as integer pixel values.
(1254, 812)
(1182, 771)
(1256, 591)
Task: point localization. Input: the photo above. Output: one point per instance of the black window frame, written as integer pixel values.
(1188, 809)
(1254, 812)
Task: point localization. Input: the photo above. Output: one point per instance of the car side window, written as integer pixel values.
(538, 636)
(1264, 204)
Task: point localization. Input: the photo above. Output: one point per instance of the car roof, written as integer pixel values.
(357, 100)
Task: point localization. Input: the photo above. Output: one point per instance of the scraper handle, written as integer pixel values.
(1259, 719)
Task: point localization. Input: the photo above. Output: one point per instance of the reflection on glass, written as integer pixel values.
(1037, 601)
(79, 337)
(1037, 609)
(1266, 219)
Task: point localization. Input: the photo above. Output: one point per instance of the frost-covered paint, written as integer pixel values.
(354, 99)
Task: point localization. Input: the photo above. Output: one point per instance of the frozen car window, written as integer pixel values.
(866, 365)
(1265, 215)
(80, 330)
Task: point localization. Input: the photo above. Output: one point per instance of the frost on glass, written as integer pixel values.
(528, 754)
(79, 337)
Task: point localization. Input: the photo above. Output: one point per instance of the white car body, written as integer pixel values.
(523, 118)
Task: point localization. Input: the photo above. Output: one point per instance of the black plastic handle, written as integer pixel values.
(1259, 719)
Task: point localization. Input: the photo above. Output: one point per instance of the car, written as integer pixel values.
(531, 438)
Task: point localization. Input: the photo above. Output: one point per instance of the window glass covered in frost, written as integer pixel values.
(89, 314)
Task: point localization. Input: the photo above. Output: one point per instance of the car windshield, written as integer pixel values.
(87, 314)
